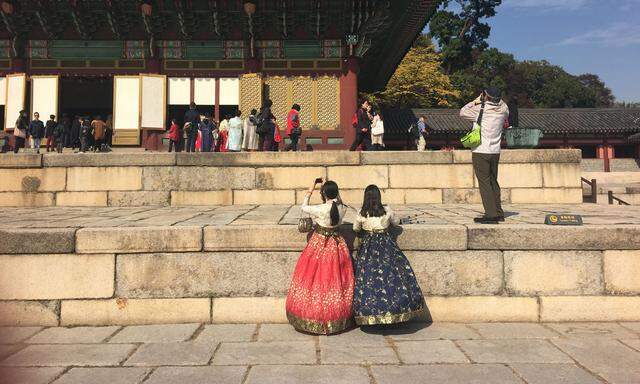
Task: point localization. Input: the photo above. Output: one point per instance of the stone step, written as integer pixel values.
(287, 238)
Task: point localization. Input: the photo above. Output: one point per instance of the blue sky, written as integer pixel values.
(596, 36)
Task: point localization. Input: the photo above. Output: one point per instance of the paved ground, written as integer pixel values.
(496, 353)
(428, 214)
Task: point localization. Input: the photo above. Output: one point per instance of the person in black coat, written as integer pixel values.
(363, 127)
(49, 127)
(192, 116)
(74, 133)
(266, 127)
(36, 128)
(58, 136)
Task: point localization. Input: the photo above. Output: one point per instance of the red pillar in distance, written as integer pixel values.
(349, 98)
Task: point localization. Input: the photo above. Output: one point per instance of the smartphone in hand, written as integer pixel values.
(319, 180)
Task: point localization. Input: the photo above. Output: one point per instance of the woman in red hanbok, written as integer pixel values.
(321, 291)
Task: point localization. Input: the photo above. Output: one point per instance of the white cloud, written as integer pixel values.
(616, 35)
(546, 4)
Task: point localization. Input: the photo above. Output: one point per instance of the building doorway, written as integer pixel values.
(86, 96)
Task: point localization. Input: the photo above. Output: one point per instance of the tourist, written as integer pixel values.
(174, 136)
(321, 291)
(49, 127)
(363, 127)
(36, 128)
(491, 112)
(86, 134)
(423, 132)
(20, 131)
(98, 127)
(250, 136)
(191, 123)
(293, 128)
(58, 135)
(377, 132)
(386, 290)
(74, 137)
(223, 134)
(265, 127)
(234, 140)
(108, 132)
(277, 137)
(206, 127)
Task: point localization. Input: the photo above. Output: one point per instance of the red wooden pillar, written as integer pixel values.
(349, 98)
(217, 108)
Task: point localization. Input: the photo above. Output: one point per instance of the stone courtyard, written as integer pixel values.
(496, 353)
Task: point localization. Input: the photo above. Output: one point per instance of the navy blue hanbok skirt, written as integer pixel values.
(386, 290)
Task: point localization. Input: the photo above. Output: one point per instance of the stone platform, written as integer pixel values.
(479, 353)
(144, 265)
(196, 179)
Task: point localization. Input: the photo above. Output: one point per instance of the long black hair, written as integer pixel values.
(372, 203)
(330, 191)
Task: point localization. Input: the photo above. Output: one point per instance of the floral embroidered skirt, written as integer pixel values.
(321, 291)
(386, 290)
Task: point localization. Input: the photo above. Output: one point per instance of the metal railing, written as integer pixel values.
(593, 198)
(613, 199)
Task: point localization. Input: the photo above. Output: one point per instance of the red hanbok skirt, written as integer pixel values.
(321, 293)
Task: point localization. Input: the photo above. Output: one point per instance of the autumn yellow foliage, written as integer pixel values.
(419, 82)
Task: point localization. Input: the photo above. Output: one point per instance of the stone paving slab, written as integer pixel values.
(357, 354)
(104, 376)
(449, 374)
(73, 335)
(276, 352)
(9, 349)
(160, 333)
(430, 352)
(24, 375)
(296, 374)
(59, 355)
(635, 326)
(226, 332)
(554, 373)
(434, 331)
(513, 331)
(614, 361)
(11, 335)
(197, 375)
(188, 353)
(633, 343)
(512, 351)
(593, 330)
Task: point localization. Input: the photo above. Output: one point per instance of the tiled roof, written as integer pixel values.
(635, 138)
(551, 121)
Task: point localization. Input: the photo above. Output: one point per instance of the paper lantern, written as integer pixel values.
(249, 8)
(146, 9)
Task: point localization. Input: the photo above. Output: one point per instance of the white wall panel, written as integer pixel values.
(15, 90)
(44, 96)
(204, 91)
(179, 90)
(153, 101)
(230, 91)
(126, 102)
(3, 90)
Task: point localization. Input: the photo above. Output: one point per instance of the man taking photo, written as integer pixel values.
(491, 112)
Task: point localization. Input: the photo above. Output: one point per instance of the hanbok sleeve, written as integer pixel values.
(357, 224)
(393, 219)
(309, 209)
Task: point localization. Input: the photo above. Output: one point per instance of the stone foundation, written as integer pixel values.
(170, 179)
(240, 273)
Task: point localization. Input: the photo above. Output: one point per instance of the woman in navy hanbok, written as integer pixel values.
(386, 290)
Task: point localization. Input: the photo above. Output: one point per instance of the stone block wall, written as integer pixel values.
(241, 273)
(138, 179)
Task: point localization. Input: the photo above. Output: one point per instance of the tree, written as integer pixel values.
(419, 82)
(462, 34)
(604, 96)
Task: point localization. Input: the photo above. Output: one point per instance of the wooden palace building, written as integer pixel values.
(144, 61)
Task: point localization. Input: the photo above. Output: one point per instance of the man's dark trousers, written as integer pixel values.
(361, 138)
(485, 167)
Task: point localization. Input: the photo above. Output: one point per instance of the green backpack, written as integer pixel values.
(474, 138)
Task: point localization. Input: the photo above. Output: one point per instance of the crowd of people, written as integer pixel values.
(259, 131)
(79, 132)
